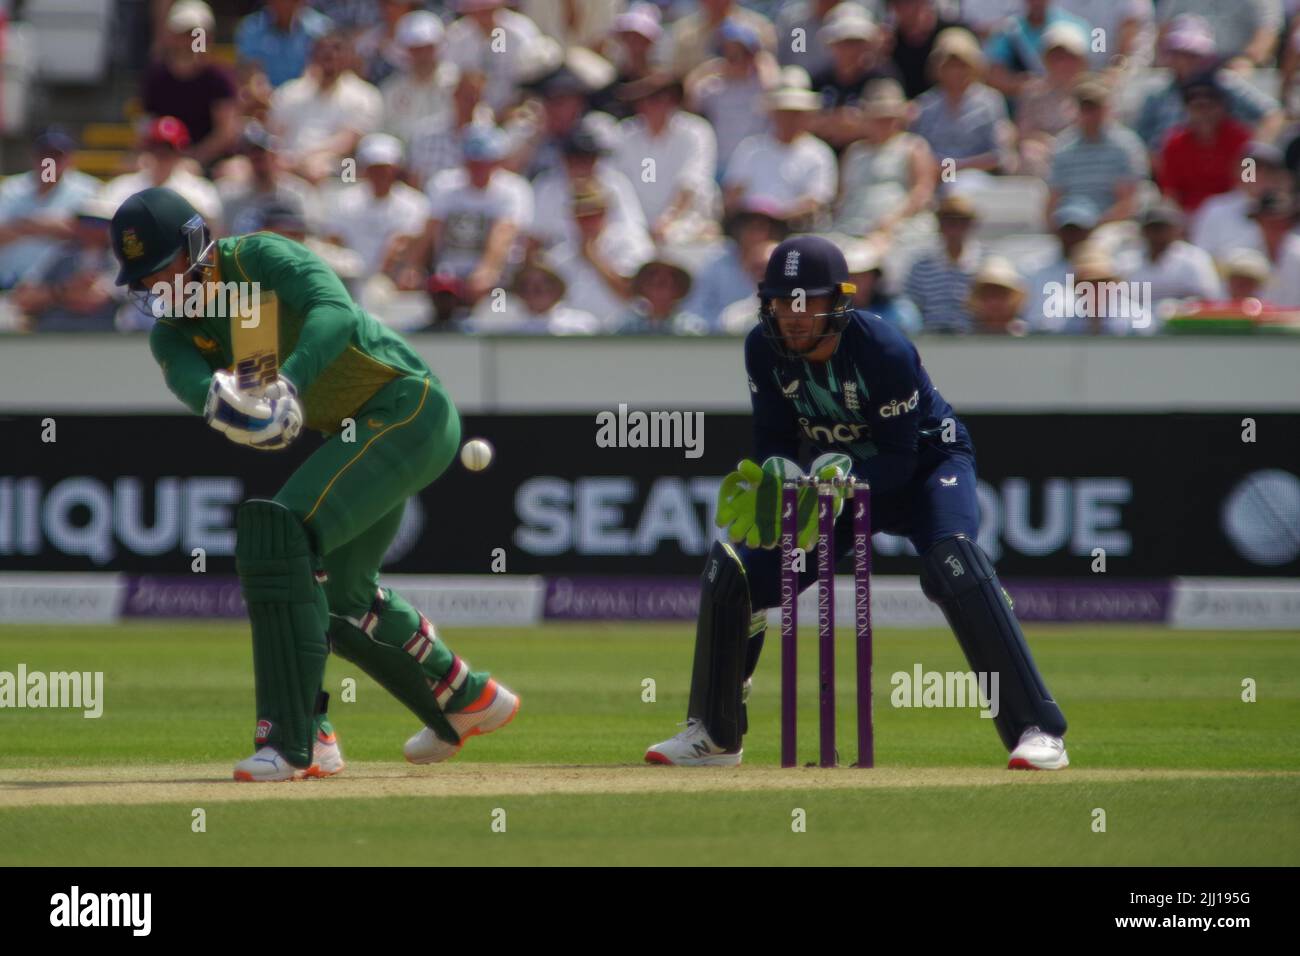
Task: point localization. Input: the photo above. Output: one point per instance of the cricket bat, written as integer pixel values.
(255, 342)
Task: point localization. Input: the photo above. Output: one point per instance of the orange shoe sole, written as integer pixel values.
(476, 732)
(243, 776)
(314, 772)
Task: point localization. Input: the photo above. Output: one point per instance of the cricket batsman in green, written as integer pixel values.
(308, 559)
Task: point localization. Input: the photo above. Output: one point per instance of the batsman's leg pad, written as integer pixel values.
(398, 667)
(722, 630)
(287, 612)
(957, 575)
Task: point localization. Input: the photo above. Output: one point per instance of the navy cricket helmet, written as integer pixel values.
(811, 266)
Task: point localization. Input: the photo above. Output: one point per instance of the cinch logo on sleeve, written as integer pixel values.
(896, 408)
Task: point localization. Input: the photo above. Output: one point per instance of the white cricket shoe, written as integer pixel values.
(495, 708)
(1038, 751)
(693, 747)
(326, 757)
(266, 766)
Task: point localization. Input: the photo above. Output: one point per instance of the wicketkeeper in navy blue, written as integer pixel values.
(851, 388)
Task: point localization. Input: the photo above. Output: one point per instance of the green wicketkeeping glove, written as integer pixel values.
(825, 468)
(749, 501)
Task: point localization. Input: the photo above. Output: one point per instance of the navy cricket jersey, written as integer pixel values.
(873, 401)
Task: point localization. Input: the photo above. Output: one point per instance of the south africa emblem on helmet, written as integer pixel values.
(132, 247)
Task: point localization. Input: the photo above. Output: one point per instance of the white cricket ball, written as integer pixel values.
(476, 454)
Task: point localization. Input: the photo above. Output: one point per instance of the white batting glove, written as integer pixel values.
(267, 422)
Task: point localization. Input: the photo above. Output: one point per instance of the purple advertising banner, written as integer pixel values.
(198, 595)
(603, 598)
(1063, 601)
(659, 599)
(621, 599)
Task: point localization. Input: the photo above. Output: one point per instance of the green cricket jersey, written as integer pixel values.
(337, 355)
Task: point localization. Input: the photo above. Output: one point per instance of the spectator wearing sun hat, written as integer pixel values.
(1246, 273)
(566, 85)
(660, 290)
(1015, 50)
(805, 18)
(670, 157)
(419, 93)
(939, 281)
(1245, 31)
(187, 83)
(601, 259)
(788, 170)
(855, 46)
(635, 37)
(1046, 105)
(996, 299)
(1097, 159)
(962, 119)
(887, 176)
(1128, 27)
(379, 217)
(537, 304)
(162, 163)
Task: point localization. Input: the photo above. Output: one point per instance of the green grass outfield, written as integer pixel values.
(1184, 771)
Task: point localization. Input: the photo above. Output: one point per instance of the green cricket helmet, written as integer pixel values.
(150, 227)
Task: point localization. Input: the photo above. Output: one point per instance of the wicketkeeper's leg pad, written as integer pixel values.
(957, 575)
(722, 631)
(288, 614)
